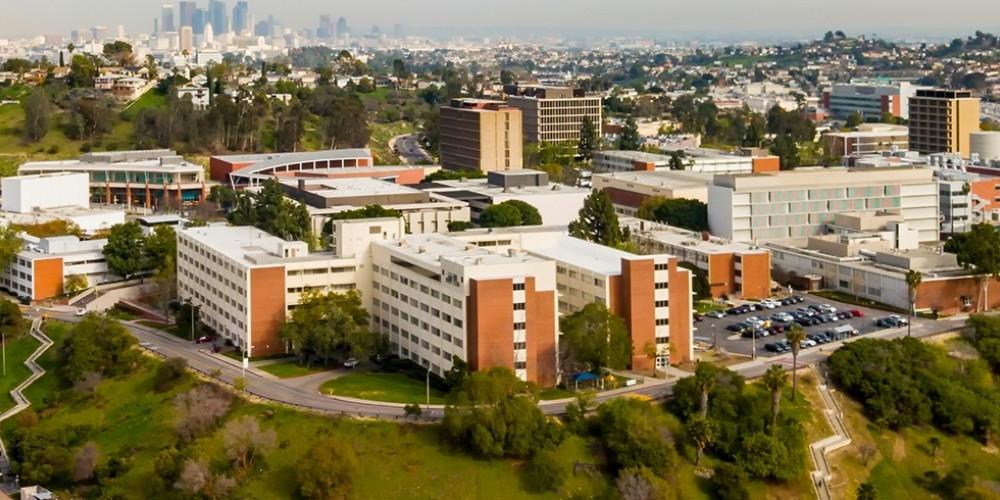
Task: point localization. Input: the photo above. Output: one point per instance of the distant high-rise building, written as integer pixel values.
(326, 27)
(120, 32)
(262, 28)
(209, 35)
(98, 33)
(342, 29)
(217, 17)
(942, 120)
(397, 31)
(156, 25)
(187, 40)
(376, 31)
(167, 18)
(187, 11)
(554, 114)
(199, 22)
(478, 134)
(241, 18)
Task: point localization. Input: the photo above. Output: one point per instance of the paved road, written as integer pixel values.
(409, 149)
(282, 391)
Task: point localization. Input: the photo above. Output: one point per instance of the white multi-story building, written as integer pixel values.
(799, 203)
(28, 193)
(40, 270)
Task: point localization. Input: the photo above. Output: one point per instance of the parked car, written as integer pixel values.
(205, 339)
(698, 318)
(857, 313)
(806, 311)
(787, 301)
(844, 315)
(351, 363)
(81, 312)
(735, 311)
(715, 314)
(773, 347)
(900, 321)
(830, 318)
(807, 343)
(782, 317)
(737, 327)
(770, 303)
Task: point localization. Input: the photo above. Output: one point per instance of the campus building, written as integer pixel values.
(252, 169)
(730, 269)
(41, 268)
(480, 134)
(423, 212)
(43, 198)
(696, 160)
(136, 179)
(941, 121)
(868, 138)
(869, 99)
(628, 190)
(246, 281)
(800, 203)
(554, 114)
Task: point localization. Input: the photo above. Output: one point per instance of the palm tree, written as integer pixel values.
(702, 432)
(913, 279)
(704, 377)
(775, 379)
(795, 337)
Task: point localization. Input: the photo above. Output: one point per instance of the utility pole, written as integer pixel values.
(3, 347)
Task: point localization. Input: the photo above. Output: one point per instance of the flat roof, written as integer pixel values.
(339, 188)
(482, 186)
(248, 245)
(634, 155)
(662, 178)
(431, 249)
(281, 158)
(122, 166)
(687, 239)
(583, 254)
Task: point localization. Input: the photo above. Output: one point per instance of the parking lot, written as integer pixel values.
(711, 330)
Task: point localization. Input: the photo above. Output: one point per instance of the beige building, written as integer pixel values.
(867, 138)
(805, 202)
(942, 120)
(554, 114)
(479, 134)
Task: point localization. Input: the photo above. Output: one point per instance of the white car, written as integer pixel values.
(350, 363)
(81, 312)
(770, 304)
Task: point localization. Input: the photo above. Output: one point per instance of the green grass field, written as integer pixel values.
(18, 350)
(377, 386)
(55, 144)
(290, 369)
(381, 134)
(129, 420)
(150, 100)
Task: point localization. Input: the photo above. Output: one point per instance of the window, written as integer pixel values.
(519, 306)
(520, 365)
(662, 321)
(661, 267)
(662, 285)
(520, 346)
(518, 287)
(519, 326)
(662, 303)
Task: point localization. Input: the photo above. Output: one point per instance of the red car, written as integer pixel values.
(857, 314)
(204, 340)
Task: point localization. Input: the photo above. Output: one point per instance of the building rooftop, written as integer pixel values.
(688, 239)
(482, 186)
(812, 177)
(431, 249)
(672, 179)
(582, 254)
(339, 188)
(250, 246)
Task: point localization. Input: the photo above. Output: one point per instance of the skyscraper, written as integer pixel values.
(167, 18)
(199, 21)
(241, 18)
(186, 40)
(342, 28)
(326, 27)
(218, 17)
(187, 11)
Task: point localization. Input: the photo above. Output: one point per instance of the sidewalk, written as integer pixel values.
(821, 450)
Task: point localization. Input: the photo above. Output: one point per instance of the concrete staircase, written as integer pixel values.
(821, 450)
(20, 401)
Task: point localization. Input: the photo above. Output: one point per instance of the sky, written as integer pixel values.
(667, 19)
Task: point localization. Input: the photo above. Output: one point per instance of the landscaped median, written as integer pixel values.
(383, 386)
(290, 369)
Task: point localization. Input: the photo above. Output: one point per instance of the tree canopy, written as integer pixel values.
(96, 345)
(678, 212)
(510, 213)
(324, 324)
(269, 211)
(598, 221)
(125, 251)
(595, 338)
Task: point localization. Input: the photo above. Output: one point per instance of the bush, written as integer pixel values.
(729, 483)
(168, 373)
(635, 435)
(327, 470)
(546, 472)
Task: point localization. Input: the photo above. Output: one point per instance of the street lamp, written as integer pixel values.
(428, 389)
(753, 338)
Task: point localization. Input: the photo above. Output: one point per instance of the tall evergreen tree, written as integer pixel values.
(630, 140)
(597, 221)
(589, 139)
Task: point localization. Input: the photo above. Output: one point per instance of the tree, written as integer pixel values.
(678, 212)
(913, 279)
(702, 432)
(97, 345)
(775, 380)
(125, 251)
(120, 52)
(597, 221)
(546, 472)
(269, 211)
(589, 139)
(85, 462)
(704, 379)
(630, 139)
(934, 443)
(322, 324)
(161, 247)
(152, 71)
(795, 336)
(76, 283)
(854, 120)
(594, 338)
(37, 114)
(677, 160)
(980, 253)
(635, 434)
(82, 71)
(245, 442)
(327, 470)
(510, 213)
(413, 410)
(168, 373)
(12, 320)
(729, 482)
(787, 150)
(638, 483)
(10, 244)
(194, 477)
(867, 491)
(399, 69)
(199, 409)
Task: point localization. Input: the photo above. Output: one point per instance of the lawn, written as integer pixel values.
(555, 393)
(18, 350)
(152, 99)
(55, 144)
(122, 315)
(894, 461)
(704, 306)
(290, 369)
(380, 386)
(129, 420)
(163, 327)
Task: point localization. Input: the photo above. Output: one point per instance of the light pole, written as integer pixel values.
(753, 338)
(3, 347)
(191, 311)
(428, 389)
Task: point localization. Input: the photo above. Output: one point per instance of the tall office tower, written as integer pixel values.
(942, 120)
(342, 29)
(208, 38)
(326, 27)
(120, 32)
(397, 30)
(156, 25)
(187, 10)
(187, 40)
(262, 28)
(479, 134)
(98, 33)
(199, 21)
(167, 18)
(241, 18)
(217, 17)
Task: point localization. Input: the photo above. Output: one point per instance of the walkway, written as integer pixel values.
(21, 402)
(821, 450)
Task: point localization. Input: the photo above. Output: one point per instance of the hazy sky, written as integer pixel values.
(665, 18)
